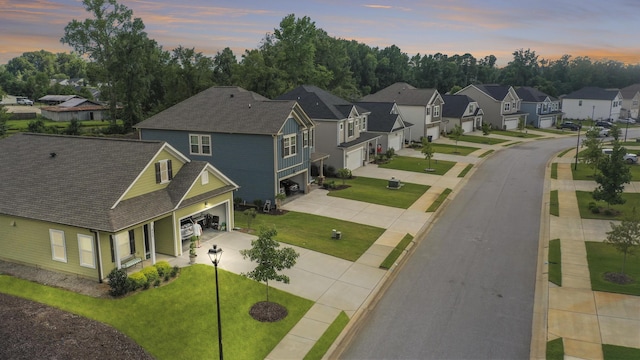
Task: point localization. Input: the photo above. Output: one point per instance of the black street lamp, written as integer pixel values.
(215, 254)
(575, 166)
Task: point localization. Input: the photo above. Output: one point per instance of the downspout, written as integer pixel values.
(96, 239)
(276, 183)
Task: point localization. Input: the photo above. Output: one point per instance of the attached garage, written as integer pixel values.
(467, 126)
(546, 122)
(354, 159)
(511, 124)
(395, 141)
(434, 132)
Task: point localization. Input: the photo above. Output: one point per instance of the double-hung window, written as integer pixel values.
(507, 106)
(436, 111)
(58, 245)
(199, 144)
(164, 172)
(350, 131)
(305, 138)
(289, 145)
(86, 250)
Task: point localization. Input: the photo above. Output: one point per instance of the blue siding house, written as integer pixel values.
(544, 110)
(263, 145)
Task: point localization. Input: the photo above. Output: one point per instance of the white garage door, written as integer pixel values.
(546, 123)
(395, 141)
(434, 132)
(354, 159)
(511, 124)
(467, 126)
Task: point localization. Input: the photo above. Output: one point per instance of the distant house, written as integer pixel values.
(463, 111)
(263, 145)
(544, 110)
(420, 107)
(592, 103)
(341, 126)
(56, 99)
(76, 108)
(384, 118)
(630, 101)
(87, 205)
(500, 103)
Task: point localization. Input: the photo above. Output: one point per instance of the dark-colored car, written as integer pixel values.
(290, 187)
(571, 126)
(604, 124)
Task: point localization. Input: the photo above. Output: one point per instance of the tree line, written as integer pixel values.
(138, 78)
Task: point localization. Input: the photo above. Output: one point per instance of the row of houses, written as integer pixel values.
(88, 205)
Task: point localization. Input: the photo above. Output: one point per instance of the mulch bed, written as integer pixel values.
(618, 278)
(266, 311)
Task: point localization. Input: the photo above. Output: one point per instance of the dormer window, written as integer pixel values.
(350, 131)
(507, 106)
(164, 172)
(436, 111)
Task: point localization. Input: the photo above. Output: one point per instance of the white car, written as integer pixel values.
(628, 158)
(24, 101)
(602, 132)
(186, 229)
(626, 121)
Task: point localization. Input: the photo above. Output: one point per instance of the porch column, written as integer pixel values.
(152, 242)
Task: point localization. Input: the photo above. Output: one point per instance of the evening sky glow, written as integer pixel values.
(594, 28)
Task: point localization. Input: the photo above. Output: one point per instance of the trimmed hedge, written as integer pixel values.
(151, 273)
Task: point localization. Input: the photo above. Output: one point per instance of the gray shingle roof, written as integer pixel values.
(402, 94)
(455, 105)
(318, 103)
(530, 94)
(381, 119)
(498, 92)
(77, 180)
(630, 91)
(593, 93)
(223, 109)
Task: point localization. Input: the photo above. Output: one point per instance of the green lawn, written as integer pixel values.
(328, 338)
(584, 198)
(555, 349)
(407, 163)
(452, 149)
(555, 262)
(520, 134)
(178, 320)
(486, 153)
(554, 205)
(551, 131)
(315, 234)
(613, 352)
(604, 258)
(441, 198)
(388, 262)
(464, 171)
(564, 152)
(585, 172)
(481, 139)
(554, 170)
(375, 191)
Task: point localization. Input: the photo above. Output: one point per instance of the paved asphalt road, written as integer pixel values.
(467, 291)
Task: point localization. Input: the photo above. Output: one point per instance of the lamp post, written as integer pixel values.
(575, 166)
(215, 254)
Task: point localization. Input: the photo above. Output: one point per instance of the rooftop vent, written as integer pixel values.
(52, 154)
(231, 95)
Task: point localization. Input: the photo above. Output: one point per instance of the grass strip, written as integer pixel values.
(481, 139)
(328, 337)
(513, 143)
(453, 149)
(604, 258)
(520, 134)
(395, 253)
(465, 171)
(554, 204)
(614, 352)
(441, 198)
(486, 153)
(555, 262)
(564, 152)
(554, 170)
(555, 349)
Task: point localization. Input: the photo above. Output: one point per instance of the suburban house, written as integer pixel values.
(266, 146)
(87, 205)
(56, 99)
(420, 107)
(630, 101)
(341, 127)
(461, 110)
(76, 108)
(500, 104)
(592, 103)
(544, 110)
(384, 118)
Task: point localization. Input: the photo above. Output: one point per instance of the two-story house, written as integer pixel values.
(87, 205)
(341, 126)
(500, 104)
(461, 110)
(262, 144)
(420, 107)
(592, 103)
(544, 110)
(630, 101)
(384, 118)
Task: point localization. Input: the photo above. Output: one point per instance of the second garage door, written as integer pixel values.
(354, 159)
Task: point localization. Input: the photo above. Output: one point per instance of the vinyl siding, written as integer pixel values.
(146, 183)
(198, 188)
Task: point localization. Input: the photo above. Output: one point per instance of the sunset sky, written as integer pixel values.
(595, 28)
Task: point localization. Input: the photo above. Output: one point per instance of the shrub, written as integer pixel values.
(119, 283)
(608, 212)
(163, 267)
(146, 285)
(166, 277)
(595, 210)
(390, 153)
(592, 205)
(329, 171)
(258, 203)
(156, 283)
(151, 273)
(174, 271)
(137, 280)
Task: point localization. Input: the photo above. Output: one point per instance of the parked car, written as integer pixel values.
(604, 124)
(24, 101)
(571, 126)
(628, 158)
(626, 121)
(289, 186)
(186, 229)
(602, 132)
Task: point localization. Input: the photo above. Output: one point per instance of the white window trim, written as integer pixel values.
(200, 144)
(54, 246)
(86, 254)
(164, 171)
(506, 107)
(305, 138)
(436, 111)
(291, 139)
(351, 130)
(204, 179)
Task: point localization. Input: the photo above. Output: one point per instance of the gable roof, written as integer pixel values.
(319, 103)
(497, 92)
(630, 91)
(224, 109)
(531, 94)
(381, 118)
(76, 180)
(402, 94)
(456, 105)
(76, 104)
(57, 98)
(593, 93)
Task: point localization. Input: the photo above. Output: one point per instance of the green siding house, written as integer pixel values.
(86, 206)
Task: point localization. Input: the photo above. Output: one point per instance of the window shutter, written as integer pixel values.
(282, 147)
(158, 176)
(113, 255)
(169, 169)
(132, 242)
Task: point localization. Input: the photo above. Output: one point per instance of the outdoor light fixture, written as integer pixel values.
(215, 254)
